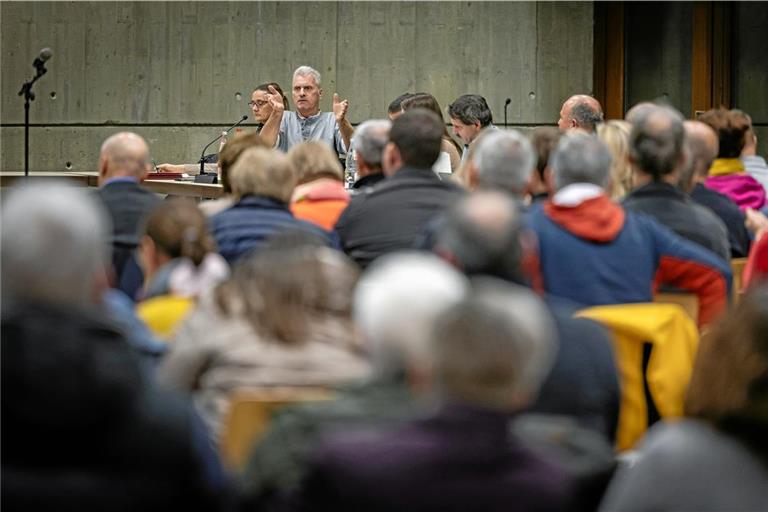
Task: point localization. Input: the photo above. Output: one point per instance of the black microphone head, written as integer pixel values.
(244, 117)
(508, 101)
(45, 54)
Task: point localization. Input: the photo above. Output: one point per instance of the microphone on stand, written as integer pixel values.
(39, 62)
(206, 176)
(506, 104)
(29, 96)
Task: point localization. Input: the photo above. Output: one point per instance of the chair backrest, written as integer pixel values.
(688, 301)
(737, 267)
(655, 346)
(249, 415)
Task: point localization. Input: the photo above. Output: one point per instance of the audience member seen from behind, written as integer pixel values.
(753, 163)
(702, 143)
(544, 140)
(717, 459)
(282, 319)
(123, 164)
(319, 196)
(727, 174)
(580, 112)
(657, 153)
(81, 428)
(489, 353)
(615, 134)
(261, 109)
(484, 235)
(395, 303)
(263, 181)
(228, 156)
(180, 263)
(587, 242)
(502, 161)
(450, 151)
(371, 137)
(394, 213)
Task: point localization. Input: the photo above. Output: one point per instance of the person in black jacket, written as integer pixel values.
(123, 164)
(391, 215)
(82, 428)
(702, 144)
(657, 153)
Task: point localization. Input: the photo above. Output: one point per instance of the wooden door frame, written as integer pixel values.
(711, 62)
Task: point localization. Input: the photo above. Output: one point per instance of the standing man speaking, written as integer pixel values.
(285, 129)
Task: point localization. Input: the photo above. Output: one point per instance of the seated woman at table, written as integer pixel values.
(261, 109)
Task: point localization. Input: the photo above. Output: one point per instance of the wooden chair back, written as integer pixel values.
(737, 267)
(250, 413)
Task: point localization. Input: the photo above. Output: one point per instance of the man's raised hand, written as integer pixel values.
(340, 108)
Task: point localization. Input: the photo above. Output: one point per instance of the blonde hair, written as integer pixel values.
(615, 135)
(313, 160)
(264, 172)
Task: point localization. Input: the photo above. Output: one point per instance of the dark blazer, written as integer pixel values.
(678, 212)
(390, 216)
(128, 204)
(724, 207)
(245, 226)
(463, 458)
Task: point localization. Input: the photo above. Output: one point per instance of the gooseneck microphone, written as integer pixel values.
(202, 155)
(506, 104)
(39, 62)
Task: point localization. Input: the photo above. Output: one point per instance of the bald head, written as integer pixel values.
(124, 154)
(703, 145)
(580, 112)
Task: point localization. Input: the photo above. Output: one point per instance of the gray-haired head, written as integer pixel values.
(703, 144)
(581, 158)
(656, 141)
(482, 235)
(396, 302)
(370, 139)
(504, 161)
(638, 110)
(308, 71)
(495, 347)
(54, 244)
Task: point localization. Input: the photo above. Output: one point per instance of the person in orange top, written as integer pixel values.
(319, 196)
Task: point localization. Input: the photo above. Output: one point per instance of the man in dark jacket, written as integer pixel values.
(123, 164)
(702, 144)
(82, 430)
(391, 215)
(657, 152)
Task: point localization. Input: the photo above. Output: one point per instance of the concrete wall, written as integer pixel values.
(177, 72)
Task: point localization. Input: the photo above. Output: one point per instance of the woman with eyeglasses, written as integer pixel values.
(261, 109)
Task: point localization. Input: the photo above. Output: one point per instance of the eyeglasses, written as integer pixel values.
(259, 103)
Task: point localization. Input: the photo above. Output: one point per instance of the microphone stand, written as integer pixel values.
(211, 178)
(506, 104)
(29, 96)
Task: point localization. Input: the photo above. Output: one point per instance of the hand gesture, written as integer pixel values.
(340, 108)
(275, 99)
(170, 168)
(756, 222)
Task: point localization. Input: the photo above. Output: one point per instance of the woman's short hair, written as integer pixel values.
(731, 127)
(232, 151)
(264, 172)
(313, 160)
